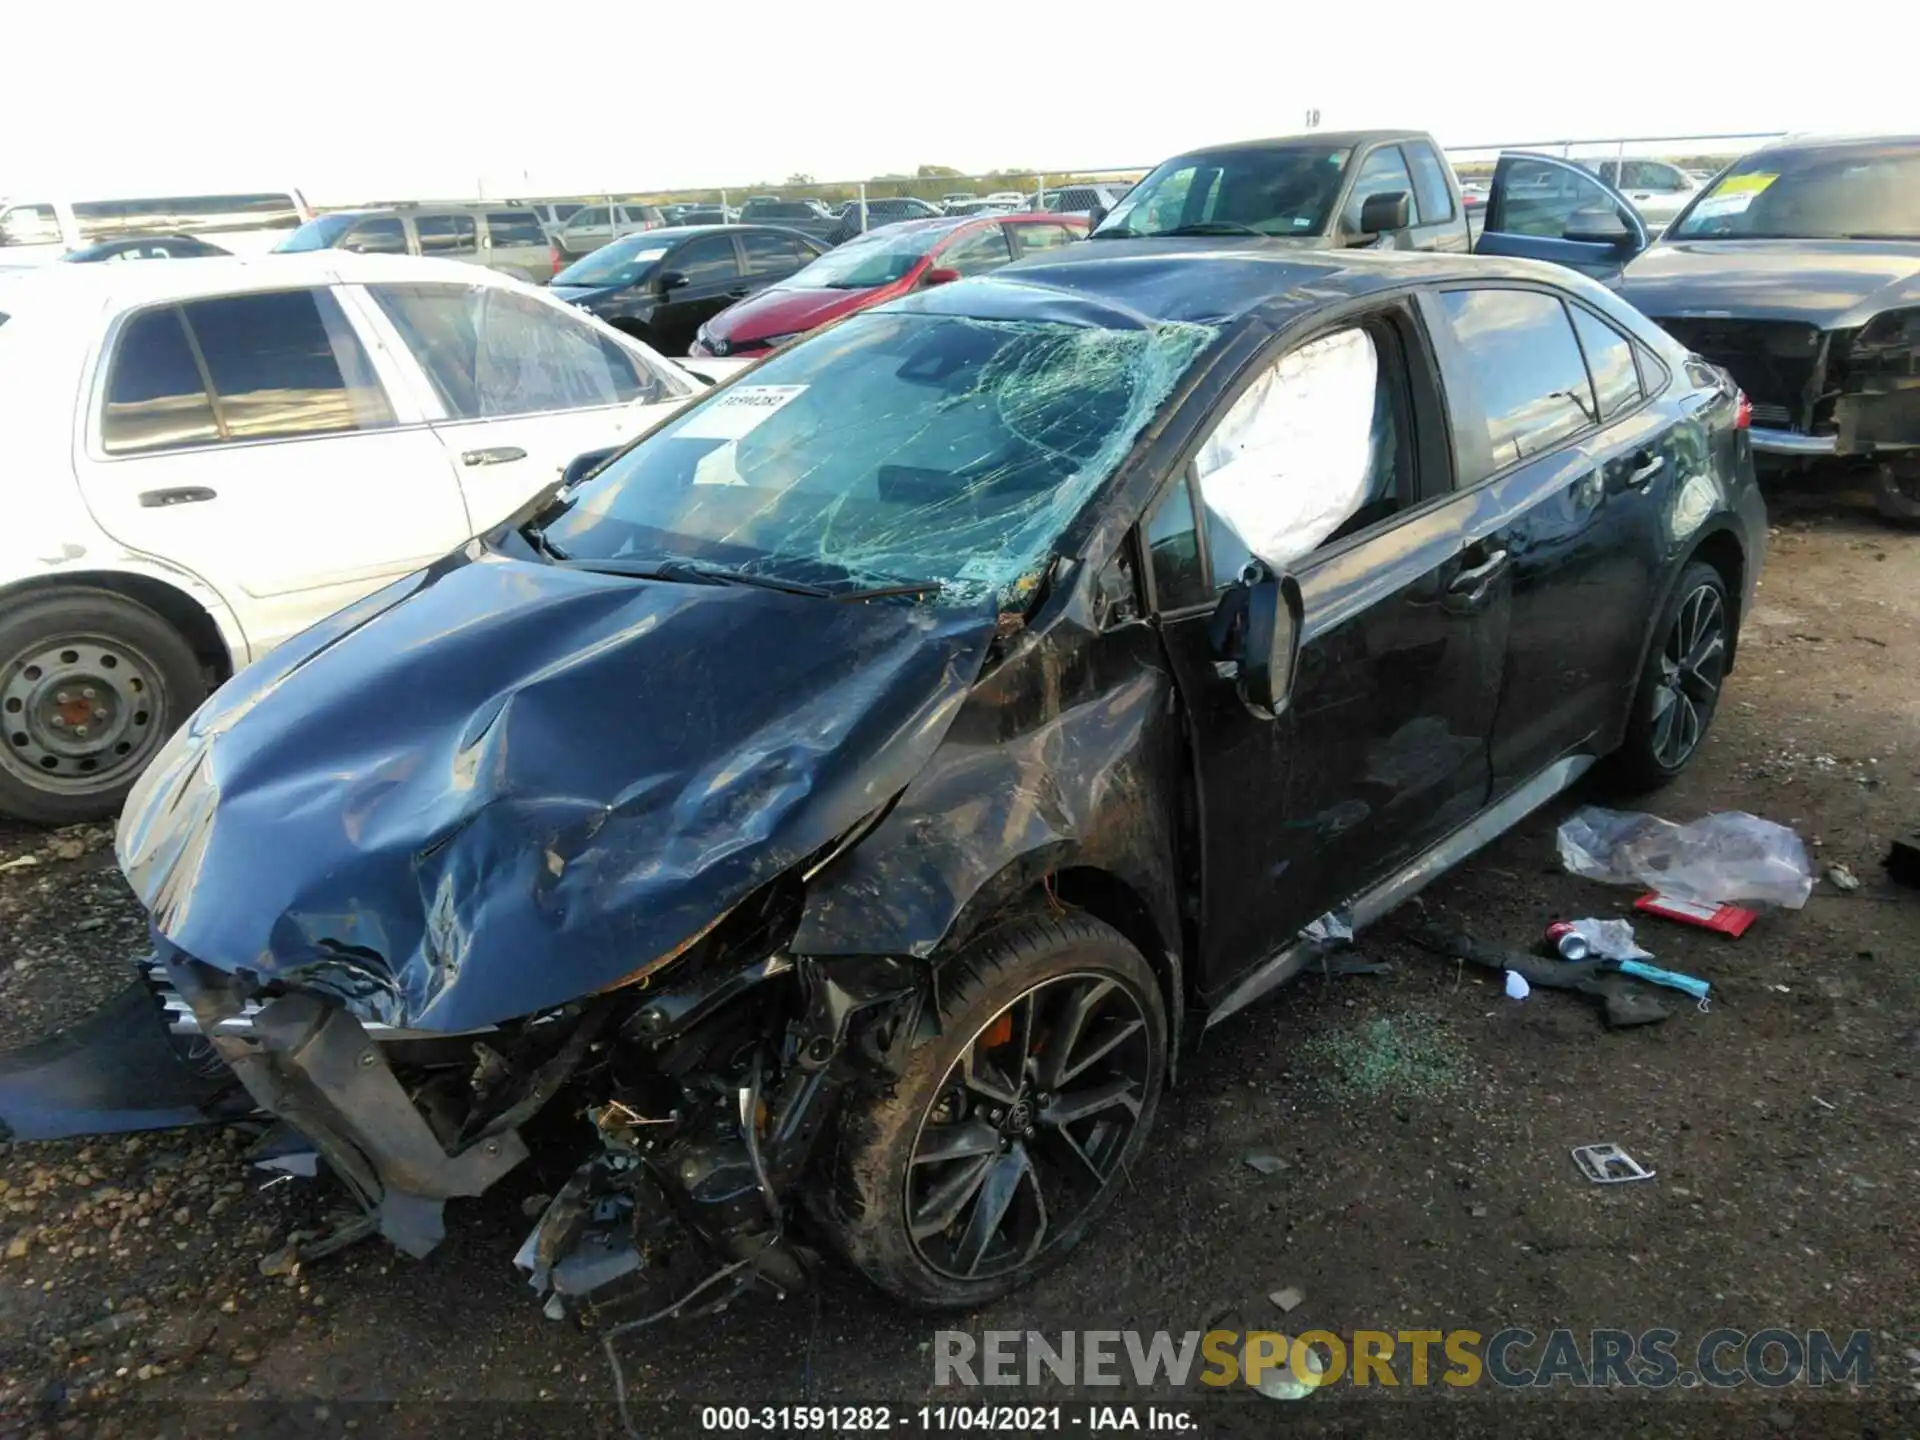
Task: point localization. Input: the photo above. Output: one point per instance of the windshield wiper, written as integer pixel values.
(1212, 227)
(912, 590)
(691, 572)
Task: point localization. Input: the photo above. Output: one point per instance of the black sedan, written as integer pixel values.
(662, 285)
(851, 797)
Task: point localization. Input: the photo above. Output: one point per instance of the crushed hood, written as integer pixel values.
(1833, 284)
(500, 785)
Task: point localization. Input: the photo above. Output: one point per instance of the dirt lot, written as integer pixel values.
(1422, 1121)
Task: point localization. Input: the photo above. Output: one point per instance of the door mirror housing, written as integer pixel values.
(940, 275)
(1390, 210)
(1096, 213)
(582, 466)
(668, 280)
(1256, 630)
(1598, 225)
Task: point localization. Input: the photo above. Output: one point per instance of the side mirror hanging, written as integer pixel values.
(1256, 631)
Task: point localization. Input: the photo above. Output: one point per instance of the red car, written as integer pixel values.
(877, 266)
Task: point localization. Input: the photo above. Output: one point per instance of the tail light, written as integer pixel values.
(553, 254)
(1742, 411)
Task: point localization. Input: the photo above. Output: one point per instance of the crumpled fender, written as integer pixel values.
(499, 786)
(1066, 756)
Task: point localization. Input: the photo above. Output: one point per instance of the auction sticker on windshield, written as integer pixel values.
(1733, 196)
(737, 412)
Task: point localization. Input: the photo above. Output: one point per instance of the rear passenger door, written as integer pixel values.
(1543, 208)
(514, 244)
(1566, 465)
(516, 385)
(448, 237)
(251, 440)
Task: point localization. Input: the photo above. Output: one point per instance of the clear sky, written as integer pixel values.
(351, 99)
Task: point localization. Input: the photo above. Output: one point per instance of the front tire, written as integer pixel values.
(1004, 1138)
(91, 686)
(1679, 688)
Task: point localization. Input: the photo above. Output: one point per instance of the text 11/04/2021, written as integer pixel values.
(974, 1419)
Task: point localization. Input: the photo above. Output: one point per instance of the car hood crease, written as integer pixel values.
(504, 785)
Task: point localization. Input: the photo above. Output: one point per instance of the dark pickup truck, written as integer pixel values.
(1320, 191)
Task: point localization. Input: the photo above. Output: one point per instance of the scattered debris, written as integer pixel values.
(1781, 989)
(1842, 879)
(1608, 1164)
(1331, 929)
(1824, 1104)
(1601, 939)
(1333, 969)
(1903, 860)
(1517, 987)
(20, 862)
(1729, 920)
(1265, 1162)
(1404, 1055)
(1729, 856)
(1623, 1003)
(1288, 1299)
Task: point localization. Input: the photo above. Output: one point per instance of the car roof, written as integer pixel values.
(1317, 139)
(1840, 142)
(1203, 280)
(90, 287)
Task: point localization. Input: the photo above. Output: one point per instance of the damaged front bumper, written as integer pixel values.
(702, 1098)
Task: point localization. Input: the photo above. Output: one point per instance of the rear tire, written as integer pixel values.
(91, 686)
(1896, 491)
(1679, 688)
(959, 1182)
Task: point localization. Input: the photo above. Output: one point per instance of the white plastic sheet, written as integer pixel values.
(1727, 858)
(1291, 460)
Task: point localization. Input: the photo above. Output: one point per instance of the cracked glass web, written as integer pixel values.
(895, 448)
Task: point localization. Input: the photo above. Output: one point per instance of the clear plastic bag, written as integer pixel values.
(1731, 857)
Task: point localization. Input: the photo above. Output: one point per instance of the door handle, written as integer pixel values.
(1467, 592)
(177, 495)
(497, 455)
(1642, 475)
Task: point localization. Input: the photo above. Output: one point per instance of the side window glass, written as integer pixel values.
(155, 397)
(286, 364)
(975, 254)
(1526, 367)
(1031, 239)
(1616, 381)
(591, 216)
(29, 225)
(1542, 199)
(447, 235)
(1432, 196)
(1310, 450)
(514, 227)
(491, 352)
(1382, 173)
(706, 262)
(384, 236)
(1173, 550)
(770, 254)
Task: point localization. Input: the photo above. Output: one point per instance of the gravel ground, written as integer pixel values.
(1413, 1128)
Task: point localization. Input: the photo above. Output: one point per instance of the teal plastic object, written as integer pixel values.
(1671, 978)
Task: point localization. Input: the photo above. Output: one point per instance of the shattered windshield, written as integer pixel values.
(1851, 193)
(867, 261)
(894, 449)
(1265, 190)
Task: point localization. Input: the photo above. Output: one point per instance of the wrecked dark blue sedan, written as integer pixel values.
(830, 818)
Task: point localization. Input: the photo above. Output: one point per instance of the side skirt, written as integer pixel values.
(1370, 904)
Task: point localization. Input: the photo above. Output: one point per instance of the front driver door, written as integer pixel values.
(709, 279)
(1383, 748)
(1543, 208)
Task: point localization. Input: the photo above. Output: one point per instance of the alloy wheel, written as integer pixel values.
(79, 713)
(1692, 664)
(1029, 1125)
